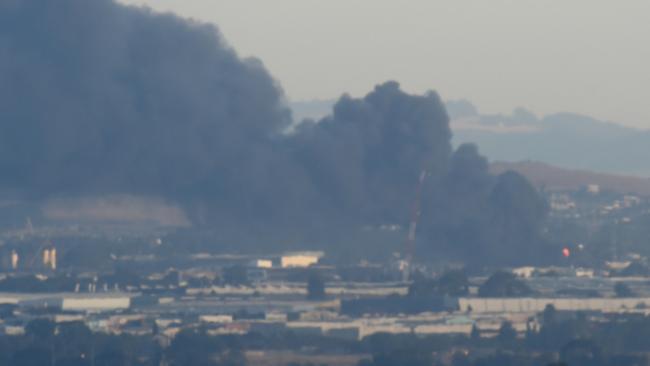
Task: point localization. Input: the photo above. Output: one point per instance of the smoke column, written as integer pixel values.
(100, 98)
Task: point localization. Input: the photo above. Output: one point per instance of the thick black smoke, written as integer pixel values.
(98, 98)
(366, 158)
(95, 96)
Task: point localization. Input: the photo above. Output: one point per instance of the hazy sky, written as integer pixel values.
(584, 56)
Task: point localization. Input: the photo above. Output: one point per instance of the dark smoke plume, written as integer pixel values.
(98, 98)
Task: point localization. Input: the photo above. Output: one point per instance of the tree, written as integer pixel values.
(32, 356)
(172, 278)
(475, 335)
(460, 359)
(504, 284)
(411, 356)
(315, 287)
(453, 283)
(549, 316)
(192, 347)
(507, 333)
(581, 352)
(7, 310)
(77, 337)
(623, 290)
(75, 331)
(235, 275)
(110, 357)
(41, 329)
(422, 287)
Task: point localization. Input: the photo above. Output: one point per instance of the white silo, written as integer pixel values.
(46, 258)
(14, 259)
(53, 258)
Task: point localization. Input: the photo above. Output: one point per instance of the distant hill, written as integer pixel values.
(565, 140)
(554, 178)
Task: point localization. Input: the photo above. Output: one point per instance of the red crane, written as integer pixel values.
(409, 246)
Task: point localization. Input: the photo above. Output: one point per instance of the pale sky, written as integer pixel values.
(584, 56)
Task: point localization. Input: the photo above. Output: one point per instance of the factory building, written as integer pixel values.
(70, 301)
(300, 259)
(531, 304)
(261, 263)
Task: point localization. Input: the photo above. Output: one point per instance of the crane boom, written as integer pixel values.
(409, 247)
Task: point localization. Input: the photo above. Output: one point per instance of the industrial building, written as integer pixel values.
(78, 302)
(300, 259)
(532, 305)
